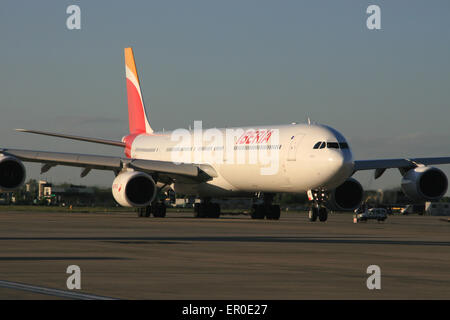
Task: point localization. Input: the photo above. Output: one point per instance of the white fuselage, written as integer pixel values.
(246, 160)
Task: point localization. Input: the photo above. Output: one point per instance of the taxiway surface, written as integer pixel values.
(234, 257)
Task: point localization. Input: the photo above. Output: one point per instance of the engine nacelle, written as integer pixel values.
(12, 173)
(134, 189)
(348, 196)
(424, 184)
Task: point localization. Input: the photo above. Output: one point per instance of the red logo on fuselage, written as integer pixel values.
(255, 136)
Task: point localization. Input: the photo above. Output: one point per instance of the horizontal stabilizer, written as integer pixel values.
(66, 136)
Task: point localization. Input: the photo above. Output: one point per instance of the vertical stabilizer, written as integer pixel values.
(137, 115)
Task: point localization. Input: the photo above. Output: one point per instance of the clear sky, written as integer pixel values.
(228, 63)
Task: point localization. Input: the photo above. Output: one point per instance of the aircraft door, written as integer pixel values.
(293, 146)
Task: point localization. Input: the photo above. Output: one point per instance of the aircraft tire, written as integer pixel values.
(273, 212)
(159, 210)
(213, 210)
(257, 211)
(201, 210)
(148, 211)
(323, 214)
(140, 212)
(313, 213)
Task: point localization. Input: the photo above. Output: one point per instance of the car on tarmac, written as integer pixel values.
(379, 214)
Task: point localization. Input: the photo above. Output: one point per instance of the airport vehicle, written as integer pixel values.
(429, 208)
(437, 208)
(379, 214)
(228, 162)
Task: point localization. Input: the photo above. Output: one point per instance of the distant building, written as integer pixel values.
(74, 195)
(5, 198)
(395, 197)
(45, 189)
(374, 197)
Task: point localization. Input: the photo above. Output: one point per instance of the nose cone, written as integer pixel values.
(335, 161)
(340, 167)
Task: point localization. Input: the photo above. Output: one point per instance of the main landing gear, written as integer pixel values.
(157, 209)
(317, 210)
(206, 209)
(266, 209)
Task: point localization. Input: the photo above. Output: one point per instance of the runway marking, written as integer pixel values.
(52, 292)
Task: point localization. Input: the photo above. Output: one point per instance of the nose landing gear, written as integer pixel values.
(318, 210)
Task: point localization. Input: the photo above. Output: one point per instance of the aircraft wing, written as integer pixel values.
(79, 138)
(165, 170)
(381, 165)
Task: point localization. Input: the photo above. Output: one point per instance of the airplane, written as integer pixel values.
(292, 158)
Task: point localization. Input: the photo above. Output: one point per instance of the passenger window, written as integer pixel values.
(316, 146)
(332, 145)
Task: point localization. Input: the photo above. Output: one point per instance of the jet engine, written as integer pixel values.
(134, 189)
(348, 196)
(12, 173)
(424, 184)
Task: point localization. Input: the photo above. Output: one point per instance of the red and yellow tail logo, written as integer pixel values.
(137, 116)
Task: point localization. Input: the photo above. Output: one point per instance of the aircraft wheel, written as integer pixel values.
(201, 210)
(196, 210)
(273, 212)
(257, 211)
(140, 212)
(159, 210)
(313, 213)
(323, 214)
(148, 210)
(213, 210)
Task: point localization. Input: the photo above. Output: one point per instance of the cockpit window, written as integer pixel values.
(333, 145)
(316, 146)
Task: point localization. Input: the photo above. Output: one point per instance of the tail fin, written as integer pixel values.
(137, 116)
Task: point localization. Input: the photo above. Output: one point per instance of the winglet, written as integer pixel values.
(137, 115)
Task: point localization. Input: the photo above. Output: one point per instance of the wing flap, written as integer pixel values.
(164, 166)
